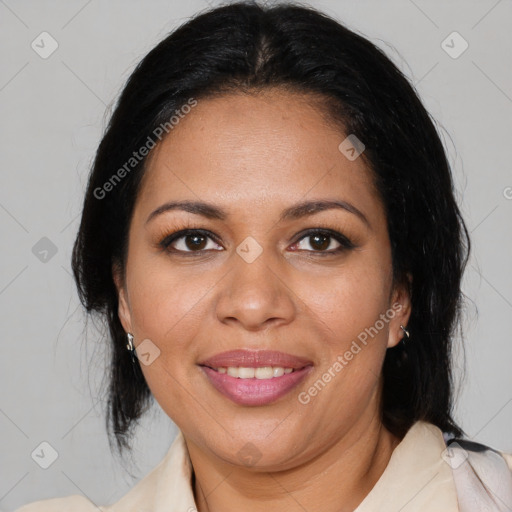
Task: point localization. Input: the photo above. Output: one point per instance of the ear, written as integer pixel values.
(123, 306)
(401, 305)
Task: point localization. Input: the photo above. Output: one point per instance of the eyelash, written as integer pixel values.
(168, 239)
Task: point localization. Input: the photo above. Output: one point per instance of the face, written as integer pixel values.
(255, 274)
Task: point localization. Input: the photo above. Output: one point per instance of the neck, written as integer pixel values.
(336, 480)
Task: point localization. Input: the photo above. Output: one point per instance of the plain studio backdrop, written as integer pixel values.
(63, 64)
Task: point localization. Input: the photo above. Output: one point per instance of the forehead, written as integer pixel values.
(240, 150)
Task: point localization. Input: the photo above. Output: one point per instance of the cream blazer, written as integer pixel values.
(417, 478)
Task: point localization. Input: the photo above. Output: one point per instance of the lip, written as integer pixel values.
(255, 358)
(255, 391)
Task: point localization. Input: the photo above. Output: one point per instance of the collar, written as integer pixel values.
(415, 479)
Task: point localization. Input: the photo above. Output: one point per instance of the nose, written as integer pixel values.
(256, 295)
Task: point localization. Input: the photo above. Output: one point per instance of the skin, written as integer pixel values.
(254, 156)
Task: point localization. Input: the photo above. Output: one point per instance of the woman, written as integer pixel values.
(271, 233)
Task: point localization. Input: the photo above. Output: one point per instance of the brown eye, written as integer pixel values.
(189, 241)
(324, 242)
(195, 242)
(320, 242)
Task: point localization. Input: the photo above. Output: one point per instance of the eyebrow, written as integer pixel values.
(294, 212)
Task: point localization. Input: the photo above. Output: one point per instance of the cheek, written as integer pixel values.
(349, 301)
(164, 300)
(168, 309)
(354, 342)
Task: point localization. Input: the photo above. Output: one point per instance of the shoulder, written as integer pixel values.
(170, 479)
(482, 475)
(508, 459)
(474, 447)
(76, 503)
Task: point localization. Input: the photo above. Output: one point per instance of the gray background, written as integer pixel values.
(53, 113)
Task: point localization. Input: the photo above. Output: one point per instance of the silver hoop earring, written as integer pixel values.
(130, 346)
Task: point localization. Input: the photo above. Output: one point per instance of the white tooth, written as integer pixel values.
(232, 371)
(278, 371)
(246, 373)
(265, 372)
